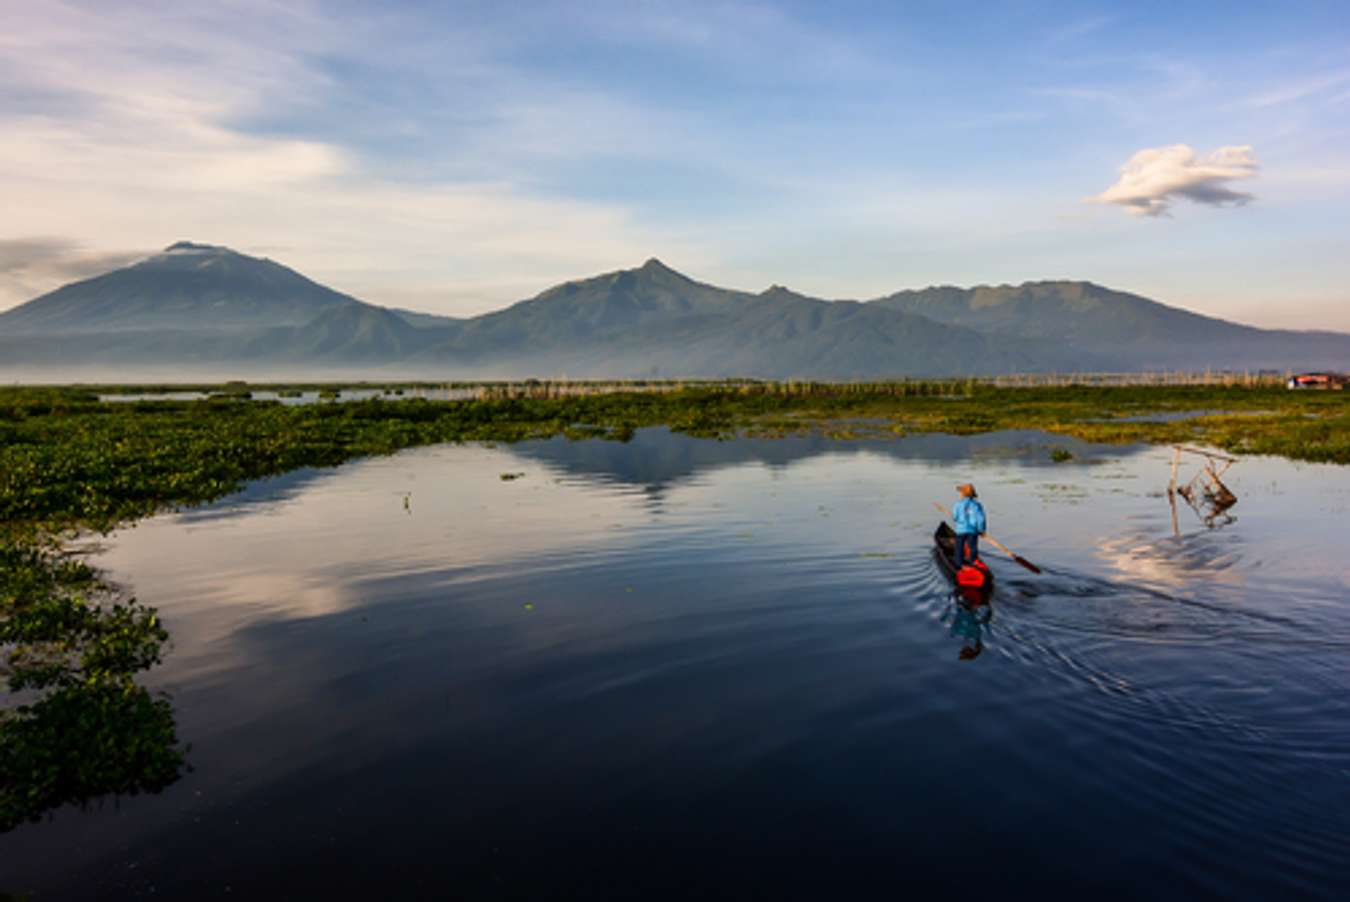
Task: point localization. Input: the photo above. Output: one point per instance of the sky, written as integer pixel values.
(457, 157)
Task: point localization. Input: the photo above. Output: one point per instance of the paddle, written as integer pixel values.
(999, 545)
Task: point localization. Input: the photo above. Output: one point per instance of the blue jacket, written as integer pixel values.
(969, 516)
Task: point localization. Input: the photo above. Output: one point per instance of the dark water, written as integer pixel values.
(730, 669)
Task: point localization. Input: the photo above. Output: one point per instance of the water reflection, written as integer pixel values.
(969, 613)
(656, 458)
(407, 676)
(1144, 558)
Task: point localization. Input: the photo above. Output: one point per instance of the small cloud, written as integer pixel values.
(1155, 177)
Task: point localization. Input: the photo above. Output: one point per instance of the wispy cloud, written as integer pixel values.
(1155, 177)
(147, 132)
(1088, 94)
(457, 167)
(1300, 90)
(1135, 89)
(28, 265)
(1080, 28)
(63, 256)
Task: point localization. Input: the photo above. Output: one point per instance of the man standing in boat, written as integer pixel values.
(968, 514)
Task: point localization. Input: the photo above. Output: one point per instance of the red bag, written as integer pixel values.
(970, 575)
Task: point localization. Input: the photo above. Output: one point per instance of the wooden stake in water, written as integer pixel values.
(1172, 489)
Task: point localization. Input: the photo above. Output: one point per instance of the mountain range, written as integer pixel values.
(199, 305)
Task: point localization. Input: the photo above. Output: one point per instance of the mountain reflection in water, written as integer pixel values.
(731, 669)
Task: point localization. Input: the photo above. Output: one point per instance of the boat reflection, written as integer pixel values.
(969, 613)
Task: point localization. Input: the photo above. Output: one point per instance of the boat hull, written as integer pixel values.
(975, 579)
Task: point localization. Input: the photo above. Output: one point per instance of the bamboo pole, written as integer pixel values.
(1201, 451)
(1172, 489)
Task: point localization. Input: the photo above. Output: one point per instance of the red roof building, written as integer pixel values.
(1318, 380)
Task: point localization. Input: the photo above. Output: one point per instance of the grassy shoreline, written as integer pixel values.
(68, 461)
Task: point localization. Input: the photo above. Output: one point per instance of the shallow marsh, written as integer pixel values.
(406, 674)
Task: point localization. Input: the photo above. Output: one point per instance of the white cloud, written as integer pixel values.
(146, 131)
(1156, 176)
(220, 124)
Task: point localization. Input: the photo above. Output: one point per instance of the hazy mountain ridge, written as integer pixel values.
(656, 321)
(1132, 331)
(1062, 310)
(196, 304)
(355, 332)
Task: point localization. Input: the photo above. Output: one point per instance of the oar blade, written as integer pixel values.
(1026, 563)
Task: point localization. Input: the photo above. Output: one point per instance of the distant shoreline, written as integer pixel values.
(321, 381)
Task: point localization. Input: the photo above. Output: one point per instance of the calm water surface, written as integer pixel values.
(731, 669)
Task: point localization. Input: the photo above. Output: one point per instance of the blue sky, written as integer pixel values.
(455, 157)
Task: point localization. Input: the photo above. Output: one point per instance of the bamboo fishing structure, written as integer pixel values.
(1204, 492)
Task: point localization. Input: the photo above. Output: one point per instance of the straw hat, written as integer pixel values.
(967, 490)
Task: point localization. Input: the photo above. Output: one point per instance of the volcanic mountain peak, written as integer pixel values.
(187, 286)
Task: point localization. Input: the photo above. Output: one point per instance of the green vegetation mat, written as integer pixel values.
(79, 727)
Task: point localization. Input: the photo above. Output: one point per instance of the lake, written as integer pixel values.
(732, 669)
